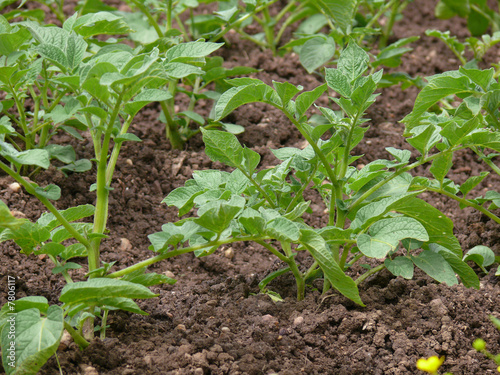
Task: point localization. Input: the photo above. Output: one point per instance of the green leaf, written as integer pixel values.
(11, 41)
(52, 192)
(462, 269)
(438, 226)
(482, 78)
(461, 7)
(173, 234)
(385, 235)
(37, 339)
(342, 11)
(183, 198)
(286, 91)
(353, 61)
(240, 95)
(148, 279)
(402, 156)
(65, 267)
(338, 81)
(101, 23)
(223, 147)
(283, 229)
(27, 236)
(435, 266)
(400, 266)
(218, 218)
(316, 52)
(316, 245)
(96, 289)
(252, 221)
(192, 49)
(49, 221)
(36, 157)
(441, 166)
(306, 99)
(76, 250)
(7, 220)
(425, 137)
(66, 154)
(439, 87)
(472, 182)
(483, 256)
(144, 98)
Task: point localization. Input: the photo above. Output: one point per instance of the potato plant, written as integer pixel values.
(97, 88)
(373, 212)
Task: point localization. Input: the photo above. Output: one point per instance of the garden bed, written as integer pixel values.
(213, 320)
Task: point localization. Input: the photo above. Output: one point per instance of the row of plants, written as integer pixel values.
(87, 79)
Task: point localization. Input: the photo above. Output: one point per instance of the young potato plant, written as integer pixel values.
(100, 88)
(373, 212)
(190, 71)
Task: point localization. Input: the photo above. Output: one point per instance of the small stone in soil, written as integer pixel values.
(169, 274)
(298, 320)
(225, 329)
(125, 244)
(181, 327)
(15, 187)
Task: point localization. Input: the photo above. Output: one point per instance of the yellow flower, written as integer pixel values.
(430, 365)
(498, 368)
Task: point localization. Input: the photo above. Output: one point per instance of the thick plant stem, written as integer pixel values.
(299, 278)
(82, 343)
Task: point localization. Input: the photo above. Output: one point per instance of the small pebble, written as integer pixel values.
(229, 253)
(225, 329)
(125, 244)
(169, 274)
(268, 318)
(181, 327)
(129, 162)
(15, 187)
(298, 320)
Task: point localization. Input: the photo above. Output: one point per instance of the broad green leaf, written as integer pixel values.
(55, 55)
(252, 221)
(76, 250)
(425, 137)
(283, 229)
(192, 49)
(342, 11)
(78, 166)
(172, 234)
(223, 147)
(28, 236)
(180, 70)
(183, 198)
(251, 160)
(316, 52)
(467, 275)
(316, 245)
(101, 23)
(240, 95)
(306, 99)
(7, 220)
(286, 91)
(482, 78)
(438, 88)
(49, 221)
(11, 41)
(144, 98)
(52, 192)
(400, 266)
(455, 133)
(472, 182)
(366, 215)
(36, 157)
(338, 81)
(66, 154)
(217, 219)
(148, 279)
(483, 256)
(37, 339)
(436, 267)
(385, 235)
(353, 61)
(402, 156)
(484, 138)
(438, 226)
(441, 166)
(61, 234)
(99, 288)
(65, 267)
(461, 7)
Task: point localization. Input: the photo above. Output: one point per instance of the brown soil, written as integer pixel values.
(213, 321)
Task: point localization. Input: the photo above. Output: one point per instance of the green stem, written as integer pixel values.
(486, 160)
(493, 24)
(311, 270)
(268, 30)
(257, 186)
(102, 192)
(116, 151)
(31, 190)
(169, 14)
(465, 202)
(148, 15)
(345, 253)
(390, 24)
(177, 252)
(103, 324)
(377, 16)
(239, 21)
(377, 186)
(299, 278)
(171, 128)
(82, 343)
(368, 273)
